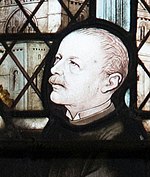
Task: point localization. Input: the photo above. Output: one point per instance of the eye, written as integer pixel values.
(74, 63)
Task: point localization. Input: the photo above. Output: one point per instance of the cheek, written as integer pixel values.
(94, 87)
(82, 84)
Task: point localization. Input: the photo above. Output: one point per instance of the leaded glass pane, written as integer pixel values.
(143, 43)
(116, 11)
(18, 68)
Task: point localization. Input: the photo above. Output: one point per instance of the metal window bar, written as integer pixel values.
(144, 40)
(67, 10)
(27, 16)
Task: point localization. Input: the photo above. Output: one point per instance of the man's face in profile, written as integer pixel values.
(77, 72)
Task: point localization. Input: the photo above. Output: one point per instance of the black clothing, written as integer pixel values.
(118, 126)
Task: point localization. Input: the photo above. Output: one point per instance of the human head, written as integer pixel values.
(90, 65)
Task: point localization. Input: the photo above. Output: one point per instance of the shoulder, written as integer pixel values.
(133, 128)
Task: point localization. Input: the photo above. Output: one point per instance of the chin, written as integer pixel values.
(54, 97)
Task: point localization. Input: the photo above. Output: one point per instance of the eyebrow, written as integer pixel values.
(70, 57)
(73, 57)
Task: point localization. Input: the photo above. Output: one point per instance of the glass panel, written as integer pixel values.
(127, 97)
(116, 11)
(146, 124)
(11, 77)
(143, 70)
(61, 14)
(13, 18)
(74, 6)
(27, 55)
(147, 105)
(2, 124)
(143, 83)
(32, 123)
(143, 23)
(34, 102)
(50, 16)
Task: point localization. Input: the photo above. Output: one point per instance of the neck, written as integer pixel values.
(74, 110)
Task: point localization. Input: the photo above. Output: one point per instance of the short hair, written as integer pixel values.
(116, 54)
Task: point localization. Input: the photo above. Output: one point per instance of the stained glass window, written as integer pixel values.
(27, 31)
(29, 34)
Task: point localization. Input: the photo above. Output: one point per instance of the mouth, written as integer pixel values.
(56, 83)
(57, 86)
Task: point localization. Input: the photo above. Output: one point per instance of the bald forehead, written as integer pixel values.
(94, 34)
(80, 41)
(77, 36)
(81, 46)
(89, 33)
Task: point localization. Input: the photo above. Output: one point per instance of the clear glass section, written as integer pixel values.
(116, 11)
(2, 124)
(28, 56)
(127, 97)
(146, 124)
(32, 123)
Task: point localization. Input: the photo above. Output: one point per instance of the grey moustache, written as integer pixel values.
(55, 80)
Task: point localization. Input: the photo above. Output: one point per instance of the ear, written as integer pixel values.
(112, 82)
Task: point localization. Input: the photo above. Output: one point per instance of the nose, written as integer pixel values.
(58, 68)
